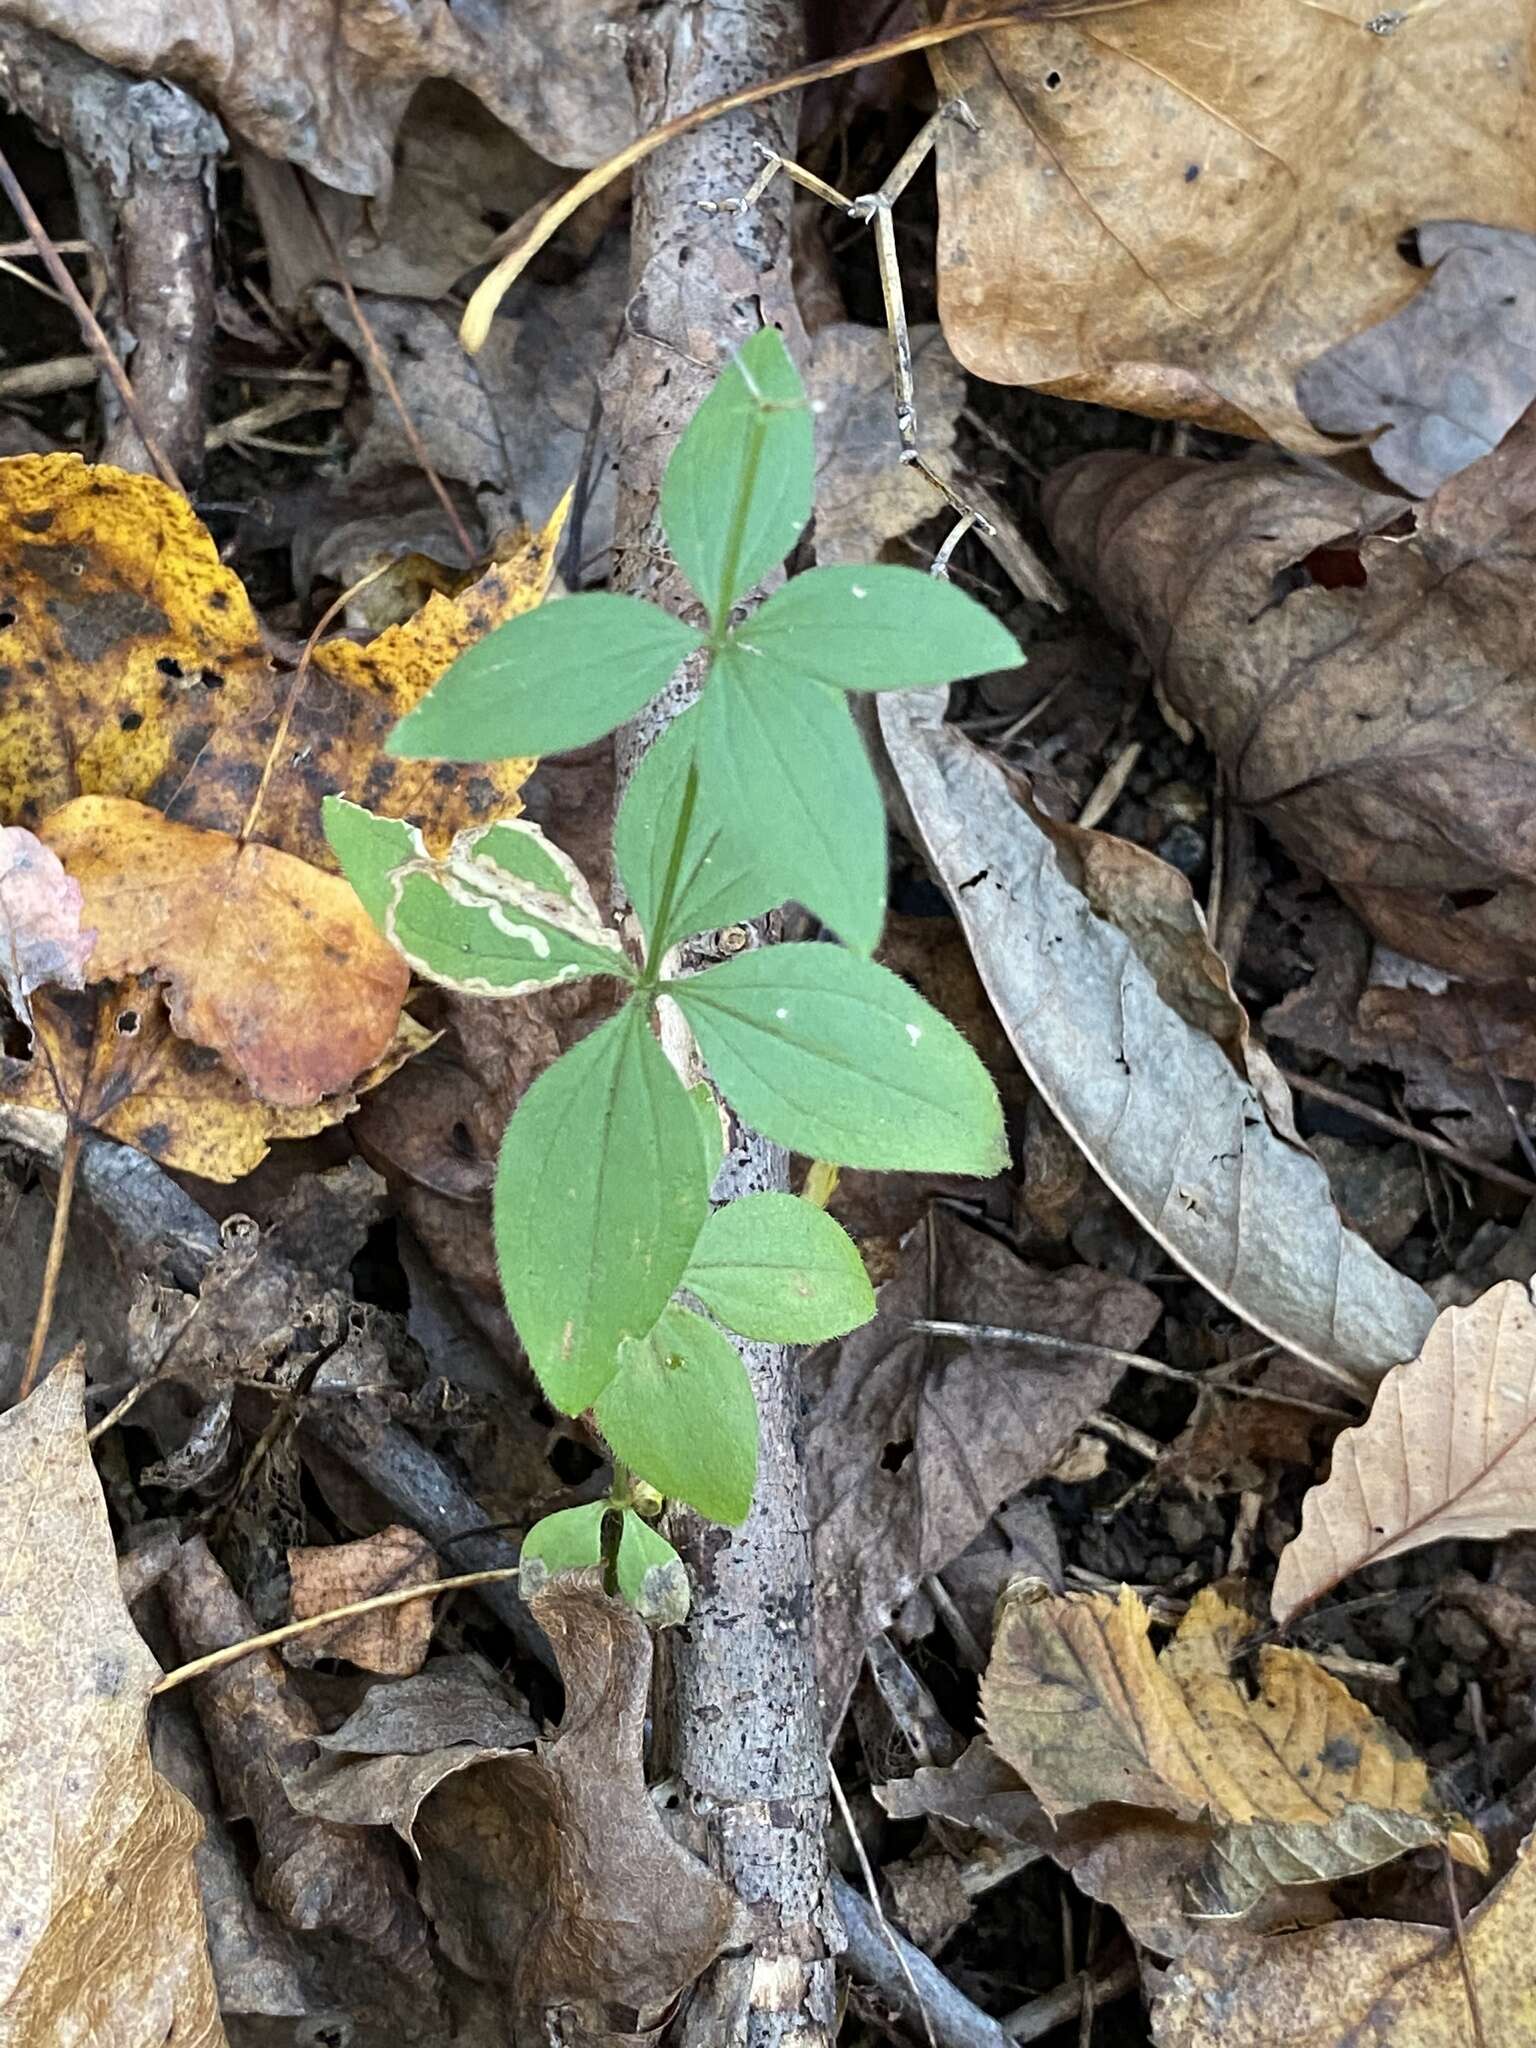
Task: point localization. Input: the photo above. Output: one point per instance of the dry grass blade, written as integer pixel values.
(1449, 1449)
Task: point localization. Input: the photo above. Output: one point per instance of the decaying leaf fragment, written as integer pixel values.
(1115, 1028)
(103, 1939)
(267, 960)
(1297, 1783)
(1362, 1984)
(1377, 715)
(1449, 1449)
(551, 1872)
(40, 935)
(328, 1575)
(1174, 207)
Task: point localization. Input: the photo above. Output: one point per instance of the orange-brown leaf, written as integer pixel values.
(273, 964)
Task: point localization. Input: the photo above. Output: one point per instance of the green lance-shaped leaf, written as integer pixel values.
(650, 1573)
(777, 1268)
(785, 785)
(568, 1541)
(681, 1413)
(552, 679)
(370, 849)
(836, 1057)
(504, 913)
(875, 628)
(737, 492)
(673, 855)
(601, 1193)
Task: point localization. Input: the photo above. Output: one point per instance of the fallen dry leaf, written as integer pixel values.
(1448, 1450)
(1298, 1783)
(911, 1444)
(1442, 381)
(552, 1873)
(115, 1065)
(40, 936)
(327, 84)
(317, 1877)
(1381, 726)
(1362, 1984)
(104, 1939)
(396, 1639)
(272, 964)
(1176, 207)
(1185, 1137)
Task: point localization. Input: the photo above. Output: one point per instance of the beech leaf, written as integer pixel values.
(1448, 1450)
(1166, 1112)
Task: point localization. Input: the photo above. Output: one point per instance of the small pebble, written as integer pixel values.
(1183, 848)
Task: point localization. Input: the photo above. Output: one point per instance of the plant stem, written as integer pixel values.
(68, 1171)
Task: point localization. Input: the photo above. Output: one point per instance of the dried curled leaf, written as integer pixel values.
(1174, 207)
(1115, 1028)
(1362, 1984)
(327, 1575)
(1297, 1784)
(137, 669)
(1449, 1449)
(103, 1939)
(273, 964)
(1367, 693)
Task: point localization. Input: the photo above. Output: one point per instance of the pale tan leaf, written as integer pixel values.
(1296, 1783)
(1175, 206)
(1448, 1449)
(40, 936)
(327, 1575)
(1362, 1983)
(103, 1941)
(1116, 1033)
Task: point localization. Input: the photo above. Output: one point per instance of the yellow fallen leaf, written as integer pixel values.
(1298, 1782)
(1174, 207)
(134, 667)
(272, 964)
(1448, 1450)
(103, 1938)
(1362, 1983)
(112, 1063)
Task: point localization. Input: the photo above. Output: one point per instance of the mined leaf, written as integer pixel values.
(40, 936)
(370, 850)
(1299, 1783)
(600, 1197)
(680, 1411)
(1176, 207)
(834, 1056)
(1439, 383)
(1164, 1116)
(554, 679)
(912, 1444)
(787, 792)
(874, 627)
(1362, 1984)
(502, 914)
(718, 877)
(103, 1922)
(651, 1575)
(737, 492)
(569, 1541)
(326, 1575)
(267, 960)
(778, 1268)
(1310, 687)
(138, 670)
(328, 90)
(1448, 1450)
(553, 1874)
(125, 1073)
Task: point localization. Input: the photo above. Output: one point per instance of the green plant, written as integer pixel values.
(760, 792)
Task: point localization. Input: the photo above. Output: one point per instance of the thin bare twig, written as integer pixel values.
(1303, 1084)
(90, 326)
(1474, 2004)
(841, 1799)
(232, 1653)
(68, 1172)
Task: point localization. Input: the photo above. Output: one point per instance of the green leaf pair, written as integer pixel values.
(787, 805)
(647, 1571)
